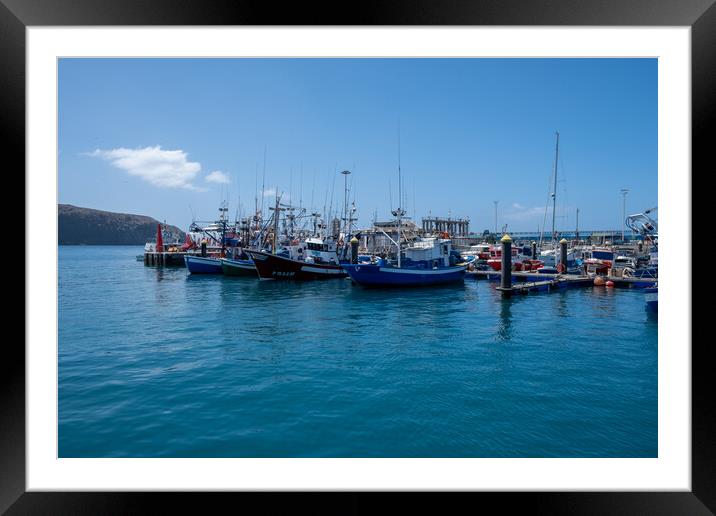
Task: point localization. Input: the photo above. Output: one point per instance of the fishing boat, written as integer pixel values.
(232, 267)
(427, 262)
(238, 263)
(521, 259)
(214, 235)
(203, 264)
(316, 260)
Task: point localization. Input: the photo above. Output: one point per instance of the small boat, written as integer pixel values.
(651, 295)
(238, 267)
(203, 264)
(427, 262)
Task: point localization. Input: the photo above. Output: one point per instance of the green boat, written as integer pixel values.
(238, 267)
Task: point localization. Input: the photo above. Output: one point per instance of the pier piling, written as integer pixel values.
(534, 250)
(354, 249)
(506, 276)
(563, 254)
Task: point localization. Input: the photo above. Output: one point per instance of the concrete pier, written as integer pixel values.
(164, 259)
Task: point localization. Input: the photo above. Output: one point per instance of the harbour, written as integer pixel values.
(347, 258)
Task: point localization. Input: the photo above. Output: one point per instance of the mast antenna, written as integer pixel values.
(554, 190)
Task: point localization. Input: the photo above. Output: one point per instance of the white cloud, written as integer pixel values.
(159, 167)
(270, 192)
(217, 176)
(520, 212)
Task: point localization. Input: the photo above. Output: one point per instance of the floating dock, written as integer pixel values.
(537, 281)
(534, 281)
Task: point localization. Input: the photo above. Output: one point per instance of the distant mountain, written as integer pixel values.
(78, 226)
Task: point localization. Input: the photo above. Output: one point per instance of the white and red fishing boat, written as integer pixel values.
(520, 260)
(310, 260)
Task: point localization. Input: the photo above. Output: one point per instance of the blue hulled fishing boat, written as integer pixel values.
(429, 261)
(203, 264)
(209, 261)
(377, 275)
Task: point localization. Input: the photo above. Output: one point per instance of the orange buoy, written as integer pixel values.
(610, 283)
(599, 281)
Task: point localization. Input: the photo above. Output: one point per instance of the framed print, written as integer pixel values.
(434, 265)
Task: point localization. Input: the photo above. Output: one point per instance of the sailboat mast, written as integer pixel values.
(554, 191)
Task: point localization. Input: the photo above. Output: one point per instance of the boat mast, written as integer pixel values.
(345, 205)
(554, 192)
(399, 212)
(223, 217)
(576, 231)
(276, 212)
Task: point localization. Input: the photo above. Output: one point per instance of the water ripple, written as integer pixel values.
(155, 362)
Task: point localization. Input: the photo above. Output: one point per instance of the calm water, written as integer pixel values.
(155, 362)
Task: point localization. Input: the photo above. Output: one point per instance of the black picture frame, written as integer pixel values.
(700, 15)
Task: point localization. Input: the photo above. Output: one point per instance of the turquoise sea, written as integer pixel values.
(158, 363)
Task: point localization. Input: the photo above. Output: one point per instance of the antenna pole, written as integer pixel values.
(624, 191)
(554, 191)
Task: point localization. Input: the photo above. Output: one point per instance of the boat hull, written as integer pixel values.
(203, 265)
(377, 276)
(238, 268)
(271, 266)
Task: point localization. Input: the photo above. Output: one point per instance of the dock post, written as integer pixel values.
(506, 279)
(354, 249)
(563, 253)
(534, 250)
(203, 249)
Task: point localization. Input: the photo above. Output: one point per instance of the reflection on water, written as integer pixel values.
(505, 323)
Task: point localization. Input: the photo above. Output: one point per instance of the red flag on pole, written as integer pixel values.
(160, 241)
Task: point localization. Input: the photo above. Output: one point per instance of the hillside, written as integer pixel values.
(78, 226)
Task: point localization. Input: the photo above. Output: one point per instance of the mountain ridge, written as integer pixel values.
(88, 226)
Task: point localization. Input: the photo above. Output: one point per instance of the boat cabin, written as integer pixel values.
(430, 253)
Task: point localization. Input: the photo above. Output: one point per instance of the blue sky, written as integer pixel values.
(170, 137)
